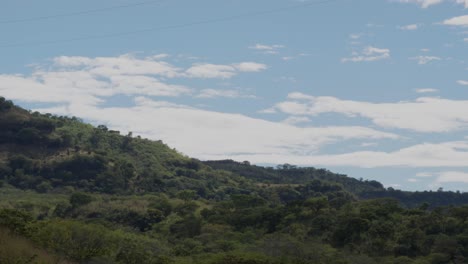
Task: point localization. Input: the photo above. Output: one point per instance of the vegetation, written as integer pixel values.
(74, 193)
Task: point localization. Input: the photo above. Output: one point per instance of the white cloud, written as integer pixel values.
(249, 67)
(410, 27)
(424, 174)
(368, 54)
(122, 65)
(465, 2)
(425, 59)
(207, 70)
(80, 86)
(425, 114)
(212, 93)
(145, 85)
(294, 120)
(153, 65)
(426, 155)
(457, 21)
(267, 49)
(268, 111)
(87, 80)
(462, 82)
(452, 176)
(426, 90)
(34, 89)
(160, 56)
(214, 134)
(413, 180)
(428, 3)
(368, 144)
(422, 3)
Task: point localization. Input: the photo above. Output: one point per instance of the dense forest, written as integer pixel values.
(74, 193)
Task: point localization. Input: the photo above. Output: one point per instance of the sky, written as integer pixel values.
(375, 89)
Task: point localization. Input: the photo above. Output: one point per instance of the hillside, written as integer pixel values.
(74, 193)
(49, 153)
(362, 189)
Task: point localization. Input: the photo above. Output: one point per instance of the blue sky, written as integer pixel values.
(376, 89)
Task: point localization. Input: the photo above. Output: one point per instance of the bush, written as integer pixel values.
(16, 221)
(80, 199)
(75, 240)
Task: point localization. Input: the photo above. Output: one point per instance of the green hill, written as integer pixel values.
(74, 193)
(51, 153)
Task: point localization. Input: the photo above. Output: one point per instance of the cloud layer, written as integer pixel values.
(425, 114)
(81, 86)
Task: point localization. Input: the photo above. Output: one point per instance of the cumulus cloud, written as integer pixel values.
(122, 65)
(207, 70)
(425, 114)
(249, 67)
(80, 86)
(214, 134)
(462, 82)
(457, 21)
(90, 81)
(368, 54)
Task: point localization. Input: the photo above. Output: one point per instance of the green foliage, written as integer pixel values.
(138, 201)
(75, 240)
(18, 250)
(16, 221)
(186, 195)
(80, 199)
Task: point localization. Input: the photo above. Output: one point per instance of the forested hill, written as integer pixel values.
(74, 193)
(44, 152)
(362, 189)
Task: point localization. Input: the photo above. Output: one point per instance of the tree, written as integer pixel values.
(80, 199)
(186, 195)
